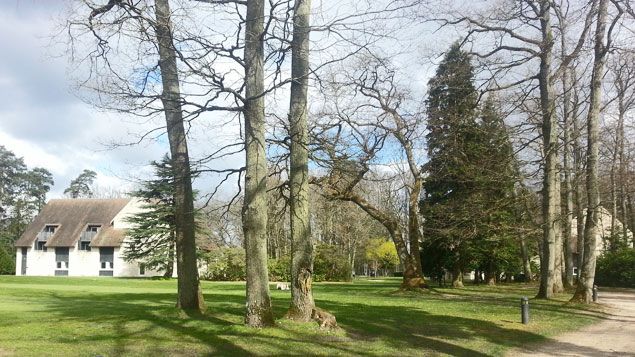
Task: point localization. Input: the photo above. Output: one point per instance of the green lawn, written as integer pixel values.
(60, 316)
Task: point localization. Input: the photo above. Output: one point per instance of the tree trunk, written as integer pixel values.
(622, 179)
(189, 290)
(580, 202)
(550, 198)
(490, 274)
(568, 241)
(584, 290)
(302, 303)
(457, 277)
(254, 212)
(526, 262)
(558, 286)
(414, 225)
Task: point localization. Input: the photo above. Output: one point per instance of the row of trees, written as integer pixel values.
(367, 126)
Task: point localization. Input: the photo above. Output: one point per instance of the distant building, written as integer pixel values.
(79, 237)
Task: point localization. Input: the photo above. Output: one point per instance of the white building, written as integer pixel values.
(79, 237)
(604, 225)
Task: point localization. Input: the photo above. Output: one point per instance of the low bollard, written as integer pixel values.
(524, 310)
(595, 293)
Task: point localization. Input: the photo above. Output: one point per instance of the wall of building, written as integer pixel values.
(81, 263)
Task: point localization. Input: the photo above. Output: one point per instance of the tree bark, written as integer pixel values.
(550, 200)
(558, 286)
(568, 241)
(579, 197)
(584, 289)
(254, 212)
(457, 277)
(189, 290)
(526, 262)
(302, 303)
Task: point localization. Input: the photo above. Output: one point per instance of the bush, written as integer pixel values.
(616, 269)
(331, 264)
(280, 269)
(225, 264)
(7, 262)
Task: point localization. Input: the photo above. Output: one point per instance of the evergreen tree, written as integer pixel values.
(469, 206)
(151, 239)
(82, 185)
(452, 136)
(495, 206)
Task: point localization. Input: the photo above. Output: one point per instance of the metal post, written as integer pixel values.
(524, 309)
(595, 293)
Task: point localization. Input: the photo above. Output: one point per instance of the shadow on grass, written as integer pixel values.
(132, 318)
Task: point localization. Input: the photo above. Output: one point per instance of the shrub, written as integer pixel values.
(225, 264)
(7, 262)
(280, 269)
(616, 269)
(331, 264)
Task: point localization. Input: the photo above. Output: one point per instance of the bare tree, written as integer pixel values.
(189, 292)
(302, 303)
(349, 129)
(259, 312)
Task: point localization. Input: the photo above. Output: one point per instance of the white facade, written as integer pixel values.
(84, 262)
(81, 263)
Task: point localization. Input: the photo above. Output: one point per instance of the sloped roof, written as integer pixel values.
(72, 216)
(109, 237)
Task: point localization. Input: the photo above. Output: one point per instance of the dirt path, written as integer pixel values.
(614, 336)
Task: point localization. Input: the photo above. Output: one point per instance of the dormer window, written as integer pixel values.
(87, 236)
(44, 235)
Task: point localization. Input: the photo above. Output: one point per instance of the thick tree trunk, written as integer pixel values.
(490, 275)
(254, 213)
(569, 244)
(550, 192)
(622, 179)
(584, 290)
(302, 303)
(457, 277)
(189, 290)
(414, 224)
(579, 197)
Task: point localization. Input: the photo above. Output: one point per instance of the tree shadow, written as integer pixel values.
(122, 320)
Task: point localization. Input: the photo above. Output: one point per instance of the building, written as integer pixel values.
(79, 237)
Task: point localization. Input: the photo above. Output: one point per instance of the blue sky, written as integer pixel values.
(43, 119)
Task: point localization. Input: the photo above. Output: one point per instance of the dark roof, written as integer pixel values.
(72, 216)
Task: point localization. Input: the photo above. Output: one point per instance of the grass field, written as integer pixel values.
(59, 316)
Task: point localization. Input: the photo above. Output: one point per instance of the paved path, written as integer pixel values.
(614, 336)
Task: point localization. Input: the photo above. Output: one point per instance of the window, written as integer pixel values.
(40, 245)
(87, 236)
(106, 259)
(43, 237)
(61, 258)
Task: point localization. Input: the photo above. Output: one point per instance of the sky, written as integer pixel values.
(44, 121)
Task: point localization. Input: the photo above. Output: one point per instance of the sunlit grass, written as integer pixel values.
(112, 317)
